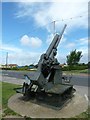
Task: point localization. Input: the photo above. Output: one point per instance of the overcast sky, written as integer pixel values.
(27, 29)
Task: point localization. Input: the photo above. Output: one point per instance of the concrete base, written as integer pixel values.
(77, 105)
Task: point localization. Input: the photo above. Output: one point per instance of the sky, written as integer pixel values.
(28, 29)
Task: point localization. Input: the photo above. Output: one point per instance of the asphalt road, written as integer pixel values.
(80, 80)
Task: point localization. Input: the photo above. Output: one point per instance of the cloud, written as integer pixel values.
(27, 0)
(49, 38)
(25, 40)
(44, 1)
(12, 51)
(66, 46)
(19, 56)
(31, 41)
(84, 59)
(24, 58)
(10, 48)
(83, 41)
(44, 13)
(84, 50)
(70, 45)
(80, 43)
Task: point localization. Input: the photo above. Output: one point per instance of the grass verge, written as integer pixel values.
(0, 99)
(7, 92)
(85, 114)
(77, 71)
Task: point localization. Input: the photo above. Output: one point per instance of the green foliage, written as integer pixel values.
(14, 68)
(7, 92)
(8, 112)
(0, 97)
(75, 67)
(74, 57)
(89, 64)
(26, 67)
(85, 114)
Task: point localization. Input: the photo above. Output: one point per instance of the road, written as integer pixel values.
(80, 80)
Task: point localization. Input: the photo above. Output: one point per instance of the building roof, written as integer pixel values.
(12, 64)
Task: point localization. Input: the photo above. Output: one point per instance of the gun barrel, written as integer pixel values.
(60, 36)
(55, 42)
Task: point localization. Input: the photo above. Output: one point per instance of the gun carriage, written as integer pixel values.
(46, 84)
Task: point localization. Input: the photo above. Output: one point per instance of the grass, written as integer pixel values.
(77, 71)
(81, 71)
(0, 98)
(85, 114)
(0, 93)
(7, 92)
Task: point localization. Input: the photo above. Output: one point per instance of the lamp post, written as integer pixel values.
(6, 60)
(54, 22)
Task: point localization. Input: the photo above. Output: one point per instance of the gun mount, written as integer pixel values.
(46, 84)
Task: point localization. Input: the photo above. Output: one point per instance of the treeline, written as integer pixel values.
(80, 66)
(76, 67)
(26, 67)
(72, 63)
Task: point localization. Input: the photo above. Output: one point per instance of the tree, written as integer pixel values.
(74, 57)
(89, 64)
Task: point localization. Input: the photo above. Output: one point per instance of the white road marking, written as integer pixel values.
(86, 97)
(5, 74)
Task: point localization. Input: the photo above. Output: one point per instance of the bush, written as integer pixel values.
(6, 68)
(14, 68)
(75, 67)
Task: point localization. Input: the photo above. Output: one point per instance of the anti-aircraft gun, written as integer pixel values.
(46, 84)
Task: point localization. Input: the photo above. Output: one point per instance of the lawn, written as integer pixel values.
(84, 114)
(7, 92)
(0, 98)
(0, 94)
(77, 71)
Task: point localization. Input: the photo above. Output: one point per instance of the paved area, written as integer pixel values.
(77, 105)
(12, 80)
(83, 90)
(82, 98)
(77, 79)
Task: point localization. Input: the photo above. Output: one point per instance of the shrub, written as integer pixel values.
(75, 67)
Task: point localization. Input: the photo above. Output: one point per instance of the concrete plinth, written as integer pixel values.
(77, 105)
